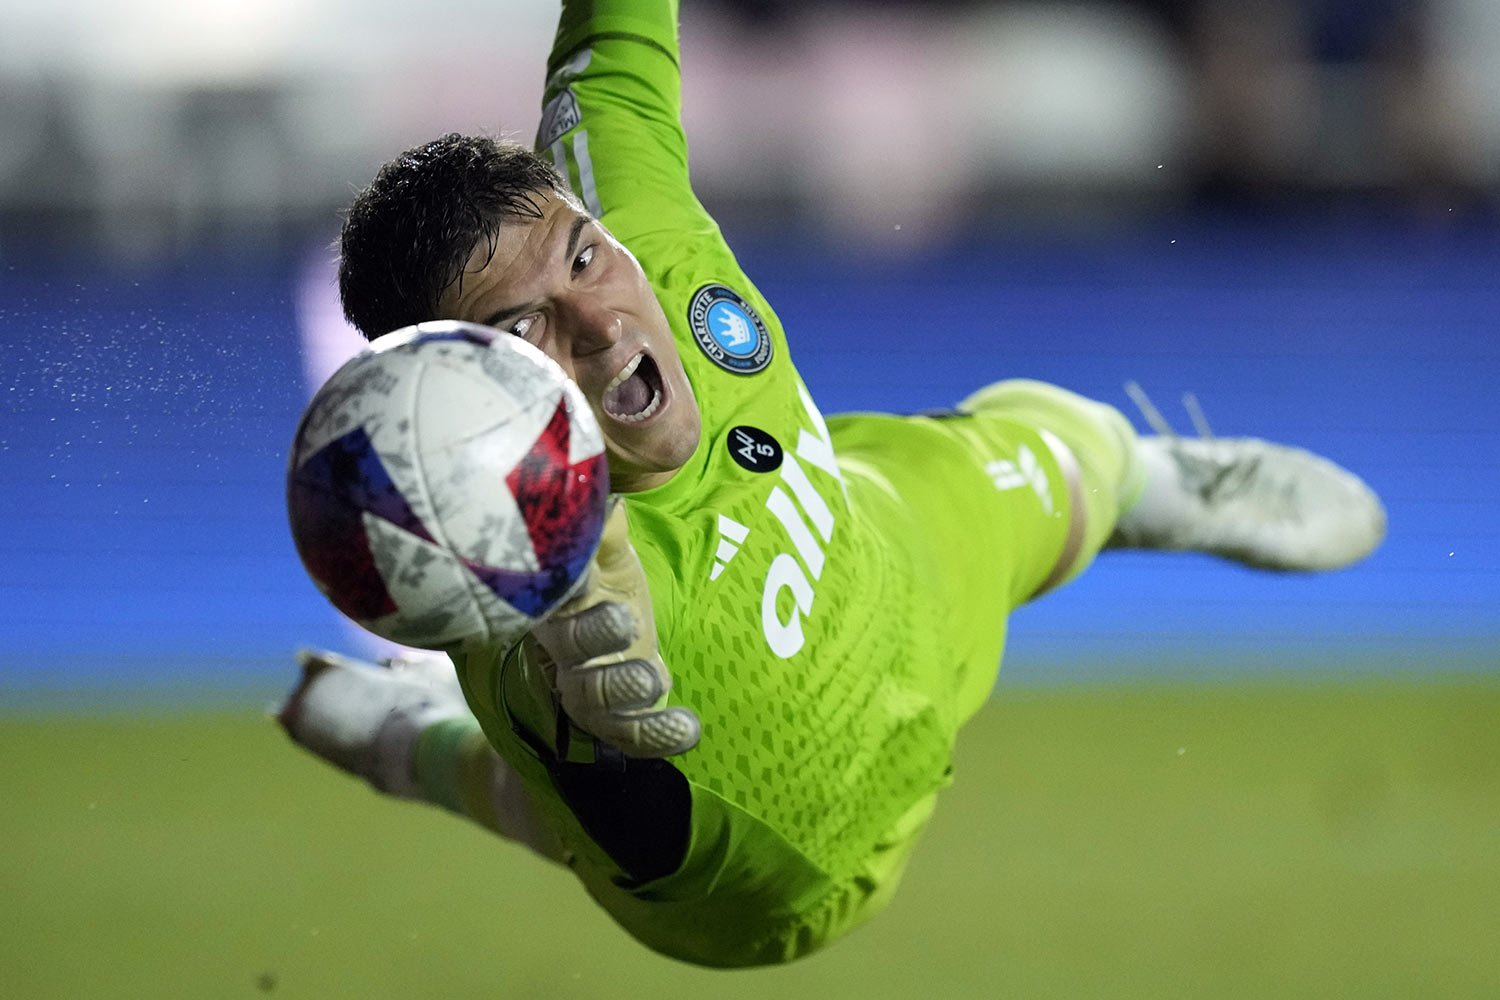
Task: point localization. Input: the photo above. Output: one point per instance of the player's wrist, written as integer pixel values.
(392, 762)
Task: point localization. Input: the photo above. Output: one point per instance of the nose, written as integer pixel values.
(596, 326)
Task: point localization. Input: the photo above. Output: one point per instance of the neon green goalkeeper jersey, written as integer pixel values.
(825, 599)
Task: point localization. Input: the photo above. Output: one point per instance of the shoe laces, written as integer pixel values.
(1214, 470)
(1158, 423)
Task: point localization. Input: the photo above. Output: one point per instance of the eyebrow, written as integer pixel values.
(574, 231)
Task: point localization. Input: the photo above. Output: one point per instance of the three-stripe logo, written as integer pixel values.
(732, 535)
(1026, 470)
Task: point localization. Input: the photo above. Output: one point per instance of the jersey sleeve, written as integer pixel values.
(612, 121)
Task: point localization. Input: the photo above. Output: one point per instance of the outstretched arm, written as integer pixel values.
(403, 727)
(612, 122)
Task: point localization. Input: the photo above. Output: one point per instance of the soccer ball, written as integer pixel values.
(447, 484)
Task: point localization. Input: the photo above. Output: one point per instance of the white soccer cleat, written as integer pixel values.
(366, 719)
(428, 667)
(1262, 504)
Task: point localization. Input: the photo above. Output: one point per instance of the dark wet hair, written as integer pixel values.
(409, 235)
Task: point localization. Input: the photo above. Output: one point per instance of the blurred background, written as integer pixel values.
(1288, 208)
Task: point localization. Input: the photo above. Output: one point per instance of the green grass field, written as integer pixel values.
(1287, 841)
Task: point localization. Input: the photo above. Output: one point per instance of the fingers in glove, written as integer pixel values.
(605, 628)
(660, 733)
(591, 690)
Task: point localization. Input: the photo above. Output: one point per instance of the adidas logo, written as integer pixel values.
(1024, 471)
(732, 535)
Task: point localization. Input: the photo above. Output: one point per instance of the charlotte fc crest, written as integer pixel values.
(729, 330)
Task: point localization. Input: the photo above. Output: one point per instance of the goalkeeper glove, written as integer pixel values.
(366, 719)
(599, 652)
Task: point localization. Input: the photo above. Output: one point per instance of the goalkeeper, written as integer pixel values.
(830, 595)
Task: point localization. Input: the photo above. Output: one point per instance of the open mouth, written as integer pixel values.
(635, 393)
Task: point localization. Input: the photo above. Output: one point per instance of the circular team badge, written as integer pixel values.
(728, 330)
(754, 449)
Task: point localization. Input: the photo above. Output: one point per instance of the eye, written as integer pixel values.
(522, 326)
(584, 259)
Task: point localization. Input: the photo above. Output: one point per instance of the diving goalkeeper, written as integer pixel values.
(735, 736)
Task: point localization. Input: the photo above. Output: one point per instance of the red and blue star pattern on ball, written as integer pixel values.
(327, 499)
(561, 504)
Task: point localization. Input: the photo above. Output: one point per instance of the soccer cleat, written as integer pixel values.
(366, 719)
(1262, 504)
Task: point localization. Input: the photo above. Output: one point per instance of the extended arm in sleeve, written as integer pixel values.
(456, 768)
(612, 120)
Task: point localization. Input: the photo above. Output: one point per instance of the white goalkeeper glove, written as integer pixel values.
(599, 653)
(366, 719)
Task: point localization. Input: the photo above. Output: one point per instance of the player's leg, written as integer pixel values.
(406, 730)
(1093, 446)
(995, 503)
(1262, 504)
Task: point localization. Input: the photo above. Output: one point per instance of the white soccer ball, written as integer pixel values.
(447, 484)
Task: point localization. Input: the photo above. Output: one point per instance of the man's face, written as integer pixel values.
(567, 286)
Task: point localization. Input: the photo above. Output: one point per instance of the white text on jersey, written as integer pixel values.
(786, 572)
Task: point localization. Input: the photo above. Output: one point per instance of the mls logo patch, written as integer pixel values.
(560, 115)
(728, 330)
